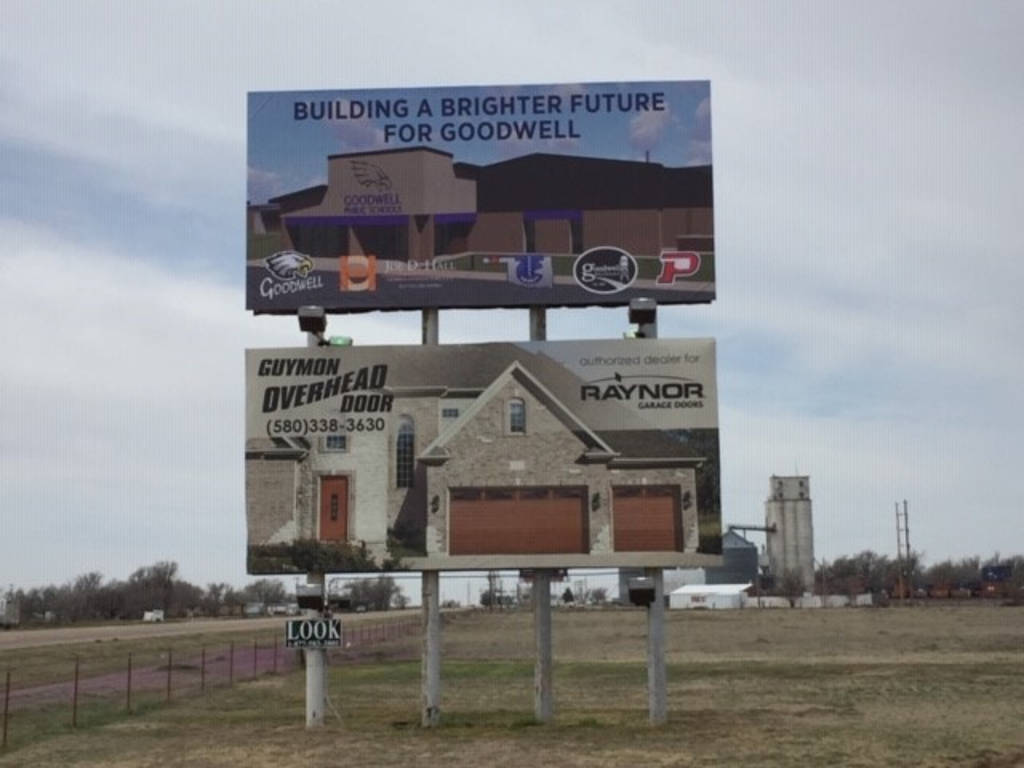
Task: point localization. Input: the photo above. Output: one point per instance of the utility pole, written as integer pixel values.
(903, 551)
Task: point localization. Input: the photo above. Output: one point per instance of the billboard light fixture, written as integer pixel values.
(312, 320)
(643, 313)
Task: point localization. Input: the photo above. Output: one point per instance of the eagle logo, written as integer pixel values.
(371, 176)
(289, 264)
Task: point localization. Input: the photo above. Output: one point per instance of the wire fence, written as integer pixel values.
(76, 689)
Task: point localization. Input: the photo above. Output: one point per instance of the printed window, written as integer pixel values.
(405, 453)
(517, 416)
(337, 443)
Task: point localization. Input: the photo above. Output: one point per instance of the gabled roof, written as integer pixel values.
(634, 441)
(597, 450)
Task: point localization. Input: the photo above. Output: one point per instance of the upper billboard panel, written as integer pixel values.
(476, 197)
(479, 456)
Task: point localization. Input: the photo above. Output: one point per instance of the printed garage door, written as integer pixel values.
(518, 521)
(646, 518)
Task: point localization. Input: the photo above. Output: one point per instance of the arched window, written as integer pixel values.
(517, 416)
(405, 453)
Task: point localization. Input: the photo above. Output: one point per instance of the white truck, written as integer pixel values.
(10, 611)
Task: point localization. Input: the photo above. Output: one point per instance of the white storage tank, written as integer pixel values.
(791, 544)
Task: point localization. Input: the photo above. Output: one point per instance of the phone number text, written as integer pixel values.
(325, 426)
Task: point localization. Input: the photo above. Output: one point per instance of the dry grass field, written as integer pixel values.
(902, 686)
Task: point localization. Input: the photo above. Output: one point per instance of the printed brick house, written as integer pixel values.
(481, 460)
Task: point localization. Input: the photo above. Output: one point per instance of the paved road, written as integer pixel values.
(35, 638)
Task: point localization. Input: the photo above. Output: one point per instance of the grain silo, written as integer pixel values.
(787, 515)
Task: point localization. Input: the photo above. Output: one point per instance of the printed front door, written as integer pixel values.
(333, 508)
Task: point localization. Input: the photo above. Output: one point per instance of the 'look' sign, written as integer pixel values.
(313, 633)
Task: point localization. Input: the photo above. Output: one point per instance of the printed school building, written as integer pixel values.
(417, 204)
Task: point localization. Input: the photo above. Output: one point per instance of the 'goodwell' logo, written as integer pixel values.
(289, 265)
(605, 269)
(292, 273)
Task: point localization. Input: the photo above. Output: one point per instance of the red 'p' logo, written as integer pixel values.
(676, 264)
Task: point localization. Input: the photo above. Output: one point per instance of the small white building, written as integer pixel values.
(708, 596)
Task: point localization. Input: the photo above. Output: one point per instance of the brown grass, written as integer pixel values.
(936, 686)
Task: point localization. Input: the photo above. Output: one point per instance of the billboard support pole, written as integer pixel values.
(313, 322)
(431, 685)
(431, 325)
(538, 324)
(543, 689)
(656, 678)
(543, 696)
(431, 591)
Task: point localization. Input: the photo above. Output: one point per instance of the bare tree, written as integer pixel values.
(790, 585)
(266, 591)
(376, 594)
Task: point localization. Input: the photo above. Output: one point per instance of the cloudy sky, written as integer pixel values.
(867, 164)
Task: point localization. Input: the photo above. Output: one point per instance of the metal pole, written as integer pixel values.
(431, 672)
(543, 695)
(316, 672)
(656, 678)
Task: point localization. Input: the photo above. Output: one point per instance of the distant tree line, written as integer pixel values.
(871, 572)
(375, 594)
(88, 598)
(154, 587)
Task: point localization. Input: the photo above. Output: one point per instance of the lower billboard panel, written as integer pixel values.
(463, 457)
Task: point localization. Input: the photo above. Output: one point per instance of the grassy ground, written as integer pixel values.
(847, 687)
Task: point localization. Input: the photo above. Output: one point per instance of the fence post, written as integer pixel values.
(74, 697)
(274, 662)
(7, 704)
(202, 672)
(170, 666)
(255, 656)
(128, 703)
(231, 664)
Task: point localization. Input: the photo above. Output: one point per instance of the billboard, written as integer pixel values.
(500, 455)
(473, 197)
